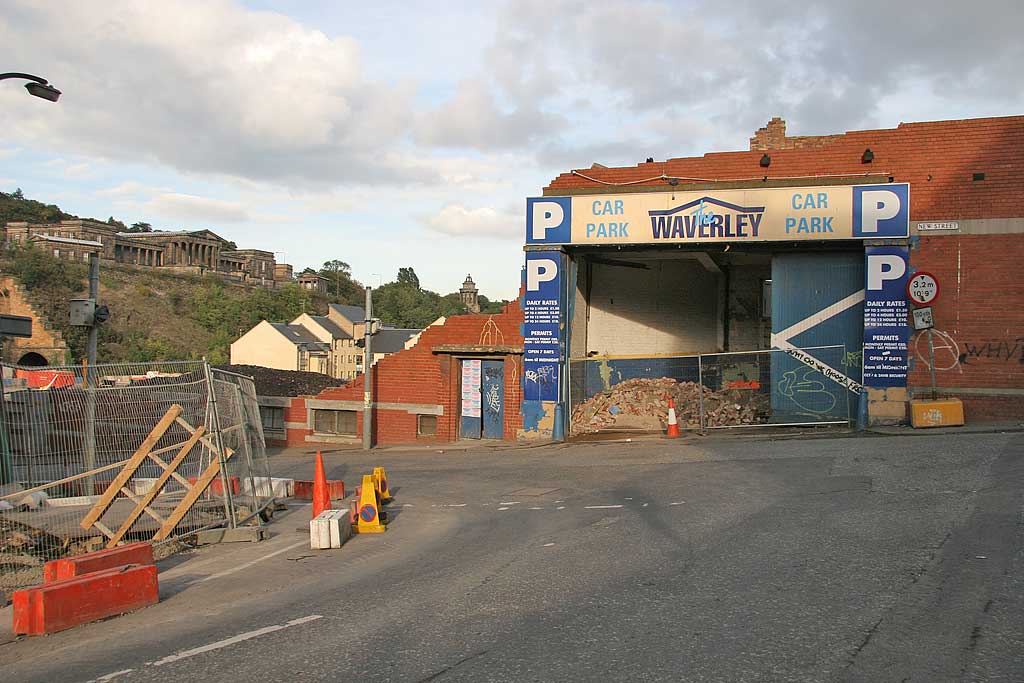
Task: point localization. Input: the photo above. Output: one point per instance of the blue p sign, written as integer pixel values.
(881, 210)
(548, 220)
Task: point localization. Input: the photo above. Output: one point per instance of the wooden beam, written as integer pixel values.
(133, 464)
(191, 497)
(148, 497)
(135, 499)
(65, 480)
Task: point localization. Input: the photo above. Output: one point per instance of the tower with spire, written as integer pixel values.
(470, 296)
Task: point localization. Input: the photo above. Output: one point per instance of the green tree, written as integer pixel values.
(18, 194)
(345, 289)
(407, 276)
(140, 227)
(117, 224)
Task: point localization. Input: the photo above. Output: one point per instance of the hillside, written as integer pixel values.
(154, 315)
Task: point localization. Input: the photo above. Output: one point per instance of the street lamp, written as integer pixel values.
(37, 86)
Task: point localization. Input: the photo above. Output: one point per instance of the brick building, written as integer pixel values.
(795, 243)
(418, 391)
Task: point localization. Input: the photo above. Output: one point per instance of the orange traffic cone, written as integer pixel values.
(673, 425)
(321, 497)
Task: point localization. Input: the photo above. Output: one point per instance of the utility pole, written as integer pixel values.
(91, 375)
(367, 383)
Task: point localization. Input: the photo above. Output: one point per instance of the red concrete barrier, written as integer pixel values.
(61, 605)
(135, 553)
(217, 486)
(304, 489)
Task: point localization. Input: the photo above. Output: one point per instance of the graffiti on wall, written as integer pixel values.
(1006, 351)
(947, 351)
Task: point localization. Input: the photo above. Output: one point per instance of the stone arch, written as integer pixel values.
(33, 360)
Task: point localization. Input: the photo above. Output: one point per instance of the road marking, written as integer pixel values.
(546, 545)
(408, 505)
(502, 509)
(644, 505)
(454, 505)
(111, 676)
(233, 639)
(514, 502)
(228, 572)
(682, 502)
(601, 507)
(560, 507)
(627, 499)
(536, 508)
(559, 501)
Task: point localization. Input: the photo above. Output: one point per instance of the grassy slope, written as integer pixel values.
(154, 315)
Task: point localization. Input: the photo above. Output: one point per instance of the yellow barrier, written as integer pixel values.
(380, 480)
(369, 512)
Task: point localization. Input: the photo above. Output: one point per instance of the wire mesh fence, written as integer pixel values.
(798, 386)
(114, 453)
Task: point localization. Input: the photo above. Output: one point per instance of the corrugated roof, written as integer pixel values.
(353, 314)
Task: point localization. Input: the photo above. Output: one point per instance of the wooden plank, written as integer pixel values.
(103, 527)
(191, 497)
(133, 464)
(130, 495)
(135, 499)
(148, 497)
(181, 480)
(65, 480)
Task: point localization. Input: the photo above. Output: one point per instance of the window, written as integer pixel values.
(341, 422)
(426, 425)
(272, 418)
(56, 253)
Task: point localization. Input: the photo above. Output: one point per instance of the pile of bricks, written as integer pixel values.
(648, 398)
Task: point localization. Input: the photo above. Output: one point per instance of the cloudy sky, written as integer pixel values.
(393, 134)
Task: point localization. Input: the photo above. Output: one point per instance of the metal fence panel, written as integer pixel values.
(69, 432)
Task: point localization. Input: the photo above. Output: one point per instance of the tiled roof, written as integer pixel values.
(299, 335)
(331, 327)
(938, 158)
(353, 314)
(391, 340)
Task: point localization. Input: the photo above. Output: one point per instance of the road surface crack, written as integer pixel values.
(449, 668)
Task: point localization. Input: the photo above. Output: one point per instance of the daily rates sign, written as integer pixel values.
(748, 215)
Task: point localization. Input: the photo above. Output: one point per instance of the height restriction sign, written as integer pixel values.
(922, 288)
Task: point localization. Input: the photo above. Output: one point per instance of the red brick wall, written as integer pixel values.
(420, 376)
(982, 324)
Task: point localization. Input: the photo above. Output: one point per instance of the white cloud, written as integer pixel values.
(192, 209)
(205, 86)
(9, 152)
(460, 221)
(132, 189)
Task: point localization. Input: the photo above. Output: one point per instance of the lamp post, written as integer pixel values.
(39, 87)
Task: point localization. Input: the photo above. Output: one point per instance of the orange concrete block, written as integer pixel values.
(65, 604)
(69, 567)
(944, 412)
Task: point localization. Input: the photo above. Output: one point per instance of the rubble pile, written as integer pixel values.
(273, 382)
(647, 399)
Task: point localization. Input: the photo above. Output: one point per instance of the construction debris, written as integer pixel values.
(272, 382)
(643, 403)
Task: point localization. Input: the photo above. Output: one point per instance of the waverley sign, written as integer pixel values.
(751, 215)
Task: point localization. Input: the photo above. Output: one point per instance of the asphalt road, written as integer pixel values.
(839, 559)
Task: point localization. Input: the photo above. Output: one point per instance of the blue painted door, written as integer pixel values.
(492, 388)
(817, 300)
